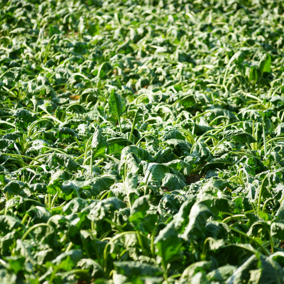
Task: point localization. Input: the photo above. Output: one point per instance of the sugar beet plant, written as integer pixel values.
(141, 141)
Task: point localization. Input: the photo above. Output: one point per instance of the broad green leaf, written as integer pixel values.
(200, 266)
(168, 244)
(9, 223)
(239, 136)
(71, 258)
(116, 105)
(198, 216)
(14, 187)
(222, 273)
(105, 208)
(265, 63)
(38, 214)
(92, 266)
(132, 269)
(139, 208)
(81, 26)
(155, 172)
(172, 182)
(277, 230)
(104, 69)
(74, 206)
(99, 142)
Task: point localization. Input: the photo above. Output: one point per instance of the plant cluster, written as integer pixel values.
(141, 141)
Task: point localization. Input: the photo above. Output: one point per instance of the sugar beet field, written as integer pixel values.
(141, 141)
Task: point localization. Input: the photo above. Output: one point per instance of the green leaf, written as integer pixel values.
(182, 217)
(172, 182)
(67, 260)
(92, 266)
(277, 230)
(106, 208)
(265, 63)
(56, 160)
(168, 244)
(170, 203)
(269, 271)
(139, 208)
(116, 106)
(99, 142)
(15, 263)
(139, 152)
(14, 187)
(155, 172)
(243, 271)
(5, 144)
(104, 69)
(9, 223)
(81, 26)
(253, 75)
(239, 136)
(221, 273)
(190, 271)
(132, 269)
(38, 214)
(197, 219)
(215, 244)
(74, 206)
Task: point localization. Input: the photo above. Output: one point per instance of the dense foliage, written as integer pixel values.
(141, 141)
